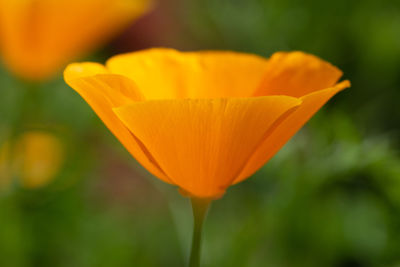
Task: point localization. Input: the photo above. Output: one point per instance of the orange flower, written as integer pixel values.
(205, 120)
(37, 37)
(38, 158)
(35, 158)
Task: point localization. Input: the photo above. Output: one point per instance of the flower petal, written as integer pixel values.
(311, 104)
(104, 92)
(203, 144)
(85, 69)
(166, 73)
(297, 74)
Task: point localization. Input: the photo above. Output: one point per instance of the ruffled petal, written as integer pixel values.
(297, 74)
(169, 74)
(271, 145)
(104, 92)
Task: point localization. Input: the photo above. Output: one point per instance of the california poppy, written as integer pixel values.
(204, 121)
(37, 37)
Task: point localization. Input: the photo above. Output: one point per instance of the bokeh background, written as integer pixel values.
(71, 195)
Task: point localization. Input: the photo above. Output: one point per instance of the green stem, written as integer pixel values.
(200, 208)
(28, 106)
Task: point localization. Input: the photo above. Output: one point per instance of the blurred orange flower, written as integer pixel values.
(34, 158)
(37, 37)
(38, 158)
(205, 120)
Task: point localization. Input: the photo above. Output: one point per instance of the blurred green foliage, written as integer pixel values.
(331, 197)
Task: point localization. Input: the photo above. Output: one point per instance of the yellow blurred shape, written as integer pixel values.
(5, 170)
(38, 158)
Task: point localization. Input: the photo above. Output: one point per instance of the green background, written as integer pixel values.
(330, 197)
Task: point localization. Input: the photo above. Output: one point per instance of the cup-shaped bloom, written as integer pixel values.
(205, 120)
(38, 37)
